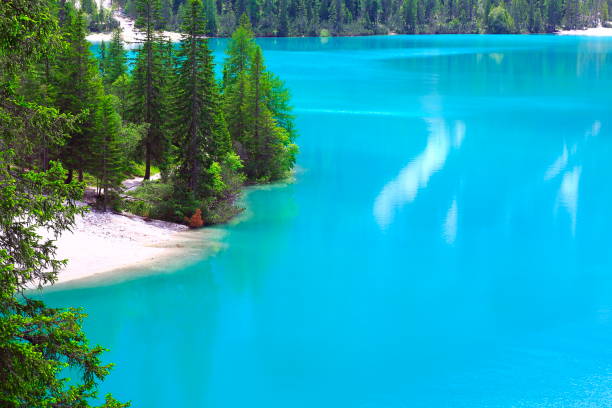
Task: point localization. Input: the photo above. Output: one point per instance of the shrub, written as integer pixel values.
(152, 199)
(138, 207)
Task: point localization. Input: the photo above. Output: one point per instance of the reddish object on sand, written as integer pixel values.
(195, 221)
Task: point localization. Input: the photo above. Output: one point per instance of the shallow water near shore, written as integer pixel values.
(446, 242)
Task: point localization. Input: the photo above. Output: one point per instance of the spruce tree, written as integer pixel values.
(121, 88)
(283, 27)
(409, 9)
(108, 164)
(102, 58)
(116, 59)
(239, 52)
(271, 153)
(235, 84)
(207, 166)
(147, 91)
(210, 16)
(77, 91)
(257, 110)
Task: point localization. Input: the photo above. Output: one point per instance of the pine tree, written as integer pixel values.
(270, 151)
(102, 58)
(572, 13)
(211, 18)
(206, 163)
(278, 102)
(333, 16)
(77, 89)
(283, 27)
(108, 164)
(235, 83)
(257, 110)
(554, 12)
(147, 91)
(239, 52)
(121, 88)
(116, 59)
(409, 9)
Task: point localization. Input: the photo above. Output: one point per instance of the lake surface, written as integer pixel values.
(447, 241)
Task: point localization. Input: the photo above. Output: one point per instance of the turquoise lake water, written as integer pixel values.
(447, 241)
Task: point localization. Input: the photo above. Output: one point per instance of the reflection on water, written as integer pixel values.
(403, 189)
(497, 57)
(568, 193)
(450, 223)
(559, 164)
(459, 134)
(595, 129)
(568, 190)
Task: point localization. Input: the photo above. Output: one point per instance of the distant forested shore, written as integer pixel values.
(285, 18)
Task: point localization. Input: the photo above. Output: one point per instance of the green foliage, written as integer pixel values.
(77, 90)
(257, 110)
(39, 345)
(210, 16)
(409, 9)
(121, 88)
(137, 169)
(149, 87)
(114, 60)
(500, 21)
(154, 199)
(200, 131)
(28, 200)
(109, 164)
(283, 26)
(27, 29)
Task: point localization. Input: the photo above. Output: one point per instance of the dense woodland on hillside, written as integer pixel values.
(363, 17)
(69, 119)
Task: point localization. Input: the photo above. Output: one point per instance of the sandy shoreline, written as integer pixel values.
(589, 32)
(105, 245)
(129, 34)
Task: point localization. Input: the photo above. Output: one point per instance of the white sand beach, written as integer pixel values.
(589, 32)
(129, 33)
(104, 242)
(107, 243)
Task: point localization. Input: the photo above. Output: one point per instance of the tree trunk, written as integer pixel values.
(62, 12)
(69, 177)
(80, 175)
(147, 174)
